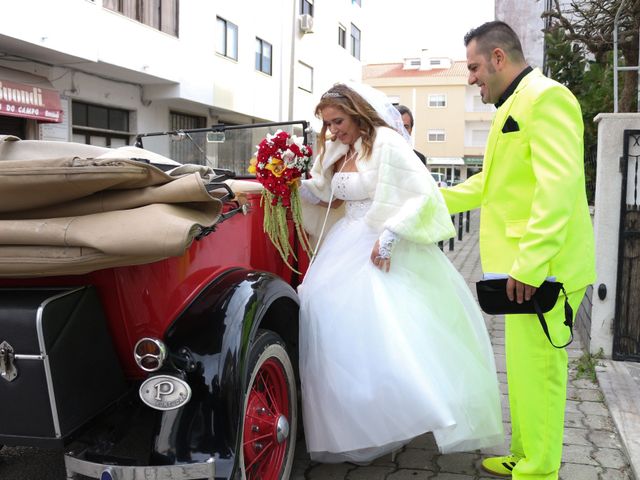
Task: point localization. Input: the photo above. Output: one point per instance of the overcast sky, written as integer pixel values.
(402, 28)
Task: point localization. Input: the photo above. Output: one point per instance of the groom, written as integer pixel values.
(535, 223)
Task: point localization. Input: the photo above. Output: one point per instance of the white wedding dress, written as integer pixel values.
(385, 357)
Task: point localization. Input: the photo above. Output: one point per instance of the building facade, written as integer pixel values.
(101, 71)
(526, 20)
(451, 124)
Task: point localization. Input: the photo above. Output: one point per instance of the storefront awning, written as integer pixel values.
(473, 161)
(444, 161)
(28, 96)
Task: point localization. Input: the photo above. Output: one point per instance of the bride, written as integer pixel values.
(392, 344)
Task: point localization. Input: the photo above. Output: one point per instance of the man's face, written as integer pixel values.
(406, 121)
(483, 73)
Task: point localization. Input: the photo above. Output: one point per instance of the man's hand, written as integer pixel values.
(519, 291)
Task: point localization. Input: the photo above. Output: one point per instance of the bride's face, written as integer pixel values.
(341, 125)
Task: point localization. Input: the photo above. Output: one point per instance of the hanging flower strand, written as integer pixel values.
(281, 159)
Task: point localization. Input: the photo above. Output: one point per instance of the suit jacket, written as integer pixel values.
(535, 220)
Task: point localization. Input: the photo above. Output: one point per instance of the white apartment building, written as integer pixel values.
(451, 124)
(101, 71)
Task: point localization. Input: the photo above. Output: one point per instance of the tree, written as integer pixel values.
(589, 24)
(590, 81)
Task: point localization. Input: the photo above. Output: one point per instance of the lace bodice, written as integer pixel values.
(348, 186)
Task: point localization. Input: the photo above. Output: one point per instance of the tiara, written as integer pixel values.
(332, 95)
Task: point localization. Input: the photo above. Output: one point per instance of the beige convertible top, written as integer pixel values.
(68, 208)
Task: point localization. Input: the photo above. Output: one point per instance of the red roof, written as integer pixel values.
(389, 70)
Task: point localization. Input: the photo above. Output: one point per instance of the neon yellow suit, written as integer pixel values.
(534, 223)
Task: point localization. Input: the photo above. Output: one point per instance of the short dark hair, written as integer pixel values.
(402, 109)
(495, 34)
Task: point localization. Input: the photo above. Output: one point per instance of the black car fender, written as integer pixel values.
(209, 344)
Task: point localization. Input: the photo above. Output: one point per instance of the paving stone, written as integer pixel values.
(501, 363)
(574, 419)
(453, 476)
(599, 422)
(426, 441)
(385, 461)
(406, 474)
(578, 454)
(610, 458)
(574, 471)
(585, 383)
(458, 463)
(572, 407)
(605, 439)
(584, 394)
(416, 458)
(330, 471)
(594, 408)
(614, 474)
(369, 473)
(576, 436)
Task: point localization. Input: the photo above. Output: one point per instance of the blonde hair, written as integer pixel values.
(361, 112)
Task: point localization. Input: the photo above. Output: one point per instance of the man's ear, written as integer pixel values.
(499, 57)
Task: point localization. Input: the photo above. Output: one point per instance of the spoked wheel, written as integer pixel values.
(270, 411)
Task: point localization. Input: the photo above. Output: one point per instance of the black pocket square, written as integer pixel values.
(510, 125)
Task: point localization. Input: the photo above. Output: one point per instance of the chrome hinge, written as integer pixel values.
(8, 370)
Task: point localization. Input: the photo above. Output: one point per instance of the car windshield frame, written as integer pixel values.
(226, 149)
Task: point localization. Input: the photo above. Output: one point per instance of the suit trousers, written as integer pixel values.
(537, 384)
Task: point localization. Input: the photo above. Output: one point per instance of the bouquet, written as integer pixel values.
(279, 162)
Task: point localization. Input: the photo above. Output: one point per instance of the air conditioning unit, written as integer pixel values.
(306, 23)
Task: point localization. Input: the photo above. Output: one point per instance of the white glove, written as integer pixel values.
(387, 242)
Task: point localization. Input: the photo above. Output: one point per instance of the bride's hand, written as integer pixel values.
(382, 263)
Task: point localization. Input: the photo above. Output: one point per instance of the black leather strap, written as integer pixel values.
(568, 319)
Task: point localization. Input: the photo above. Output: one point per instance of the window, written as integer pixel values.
(305, 77)
(479, 138)
(159, 14)
(436, 136)
(191, 151)
(227, 38)
(306, 7)
(263, 56)
(355, 41)
(480, 106)
(437, 101)
(342, 36)
(98, 125)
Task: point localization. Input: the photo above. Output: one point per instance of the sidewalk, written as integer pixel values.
(594, 449)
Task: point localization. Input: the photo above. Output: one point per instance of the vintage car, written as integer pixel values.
(148, 328)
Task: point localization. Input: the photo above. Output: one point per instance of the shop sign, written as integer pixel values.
(27, 101)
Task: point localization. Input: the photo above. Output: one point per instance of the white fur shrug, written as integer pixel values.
(405, 197)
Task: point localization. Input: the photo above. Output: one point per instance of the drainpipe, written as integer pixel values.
(615, 58)
(617, 68)
(294, 41)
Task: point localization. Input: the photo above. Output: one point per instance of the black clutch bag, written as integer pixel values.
(492, 297)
